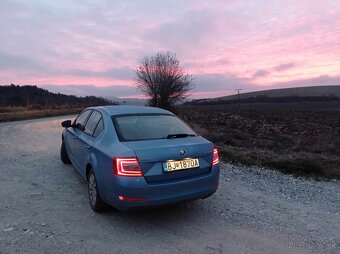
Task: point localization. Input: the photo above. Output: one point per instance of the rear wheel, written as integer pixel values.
(96, 203)
(63, 154)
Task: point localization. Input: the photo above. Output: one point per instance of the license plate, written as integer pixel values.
(180, 165)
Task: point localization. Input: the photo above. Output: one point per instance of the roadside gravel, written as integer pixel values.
(306, 211)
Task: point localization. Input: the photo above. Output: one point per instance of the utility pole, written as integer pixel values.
(238, 96)
(28, 101)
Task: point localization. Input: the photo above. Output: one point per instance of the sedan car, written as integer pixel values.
(139, 157)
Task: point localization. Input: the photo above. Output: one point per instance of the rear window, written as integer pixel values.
(146, 127)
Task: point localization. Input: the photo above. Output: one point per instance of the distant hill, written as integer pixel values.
(296, 94)
(128, 101)
(33, 97)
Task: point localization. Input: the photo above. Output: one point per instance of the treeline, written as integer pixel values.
(266, 99)
(34, 97)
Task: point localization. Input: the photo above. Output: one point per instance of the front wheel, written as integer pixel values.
(63, 154)
(96, 203)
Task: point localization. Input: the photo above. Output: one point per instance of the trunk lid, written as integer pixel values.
(153, 153)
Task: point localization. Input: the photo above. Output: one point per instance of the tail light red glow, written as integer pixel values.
(127, 167)
(216, 158)
(123, 198)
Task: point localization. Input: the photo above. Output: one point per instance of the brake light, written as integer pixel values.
(216, 159)
(126, 167)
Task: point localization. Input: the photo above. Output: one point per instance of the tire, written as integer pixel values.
(96, 202)
(63, 154)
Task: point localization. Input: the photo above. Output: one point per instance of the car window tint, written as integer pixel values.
(144, 127)
(92, 122)
(99, 128)
(82, 117)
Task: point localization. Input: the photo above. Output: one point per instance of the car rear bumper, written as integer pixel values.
(156, 194)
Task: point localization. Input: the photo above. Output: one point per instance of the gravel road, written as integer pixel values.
(44, 208)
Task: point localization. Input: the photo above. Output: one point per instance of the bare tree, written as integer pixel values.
(163, 80)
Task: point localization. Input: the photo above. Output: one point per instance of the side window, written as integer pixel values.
(80, 121)
(92, 122)
(99, 128)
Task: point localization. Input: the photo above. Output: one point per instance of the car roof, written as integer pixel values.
(122, 110)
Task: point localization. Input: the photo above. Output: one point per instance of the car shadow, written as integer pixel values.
(173, 217)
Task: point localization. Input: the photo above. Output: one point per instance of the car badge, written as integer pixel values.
(182, 152)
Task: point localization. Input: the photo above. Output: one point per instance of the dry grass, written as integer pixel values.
(17, 113)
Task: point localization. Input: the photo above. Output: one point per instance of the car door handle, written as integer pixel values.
(87, 146)
(75, 137)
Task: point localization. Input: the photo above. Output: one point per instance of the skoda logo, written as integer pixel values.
(182, 152)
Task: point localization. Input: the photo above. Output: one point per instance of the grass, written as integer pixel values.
(14, 114)
(299, 164)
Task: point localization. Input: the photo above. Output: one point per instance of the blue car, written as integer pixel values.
(139, 157)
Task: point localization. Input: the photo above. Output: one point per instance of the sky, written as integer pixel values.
(85, 47)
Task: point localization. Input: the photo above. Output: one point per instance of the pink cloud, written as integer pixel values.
(224, 44)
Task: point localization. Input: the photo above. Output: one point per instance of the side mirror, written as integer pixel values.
(66, 123)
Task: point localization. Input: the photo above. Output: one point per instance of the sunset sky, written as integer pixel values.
(92, 47)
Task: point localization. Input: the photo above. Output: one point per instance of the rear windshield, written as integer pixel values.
(146, 127)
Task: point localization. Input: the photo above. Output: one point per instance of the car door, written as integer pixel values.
(72, 137)
(86, 140)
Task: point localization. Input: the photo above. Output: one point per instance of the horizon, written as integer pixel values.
(92, 48)
(308, 91)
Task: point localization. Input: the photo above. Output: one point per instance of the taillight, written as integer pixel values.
(216, 159)
(127, 167)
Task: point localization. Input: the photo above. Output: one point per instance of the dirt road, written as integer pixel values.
(44, 208)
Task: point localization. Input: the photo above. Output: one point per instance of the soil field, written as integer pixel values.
(290, 137)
